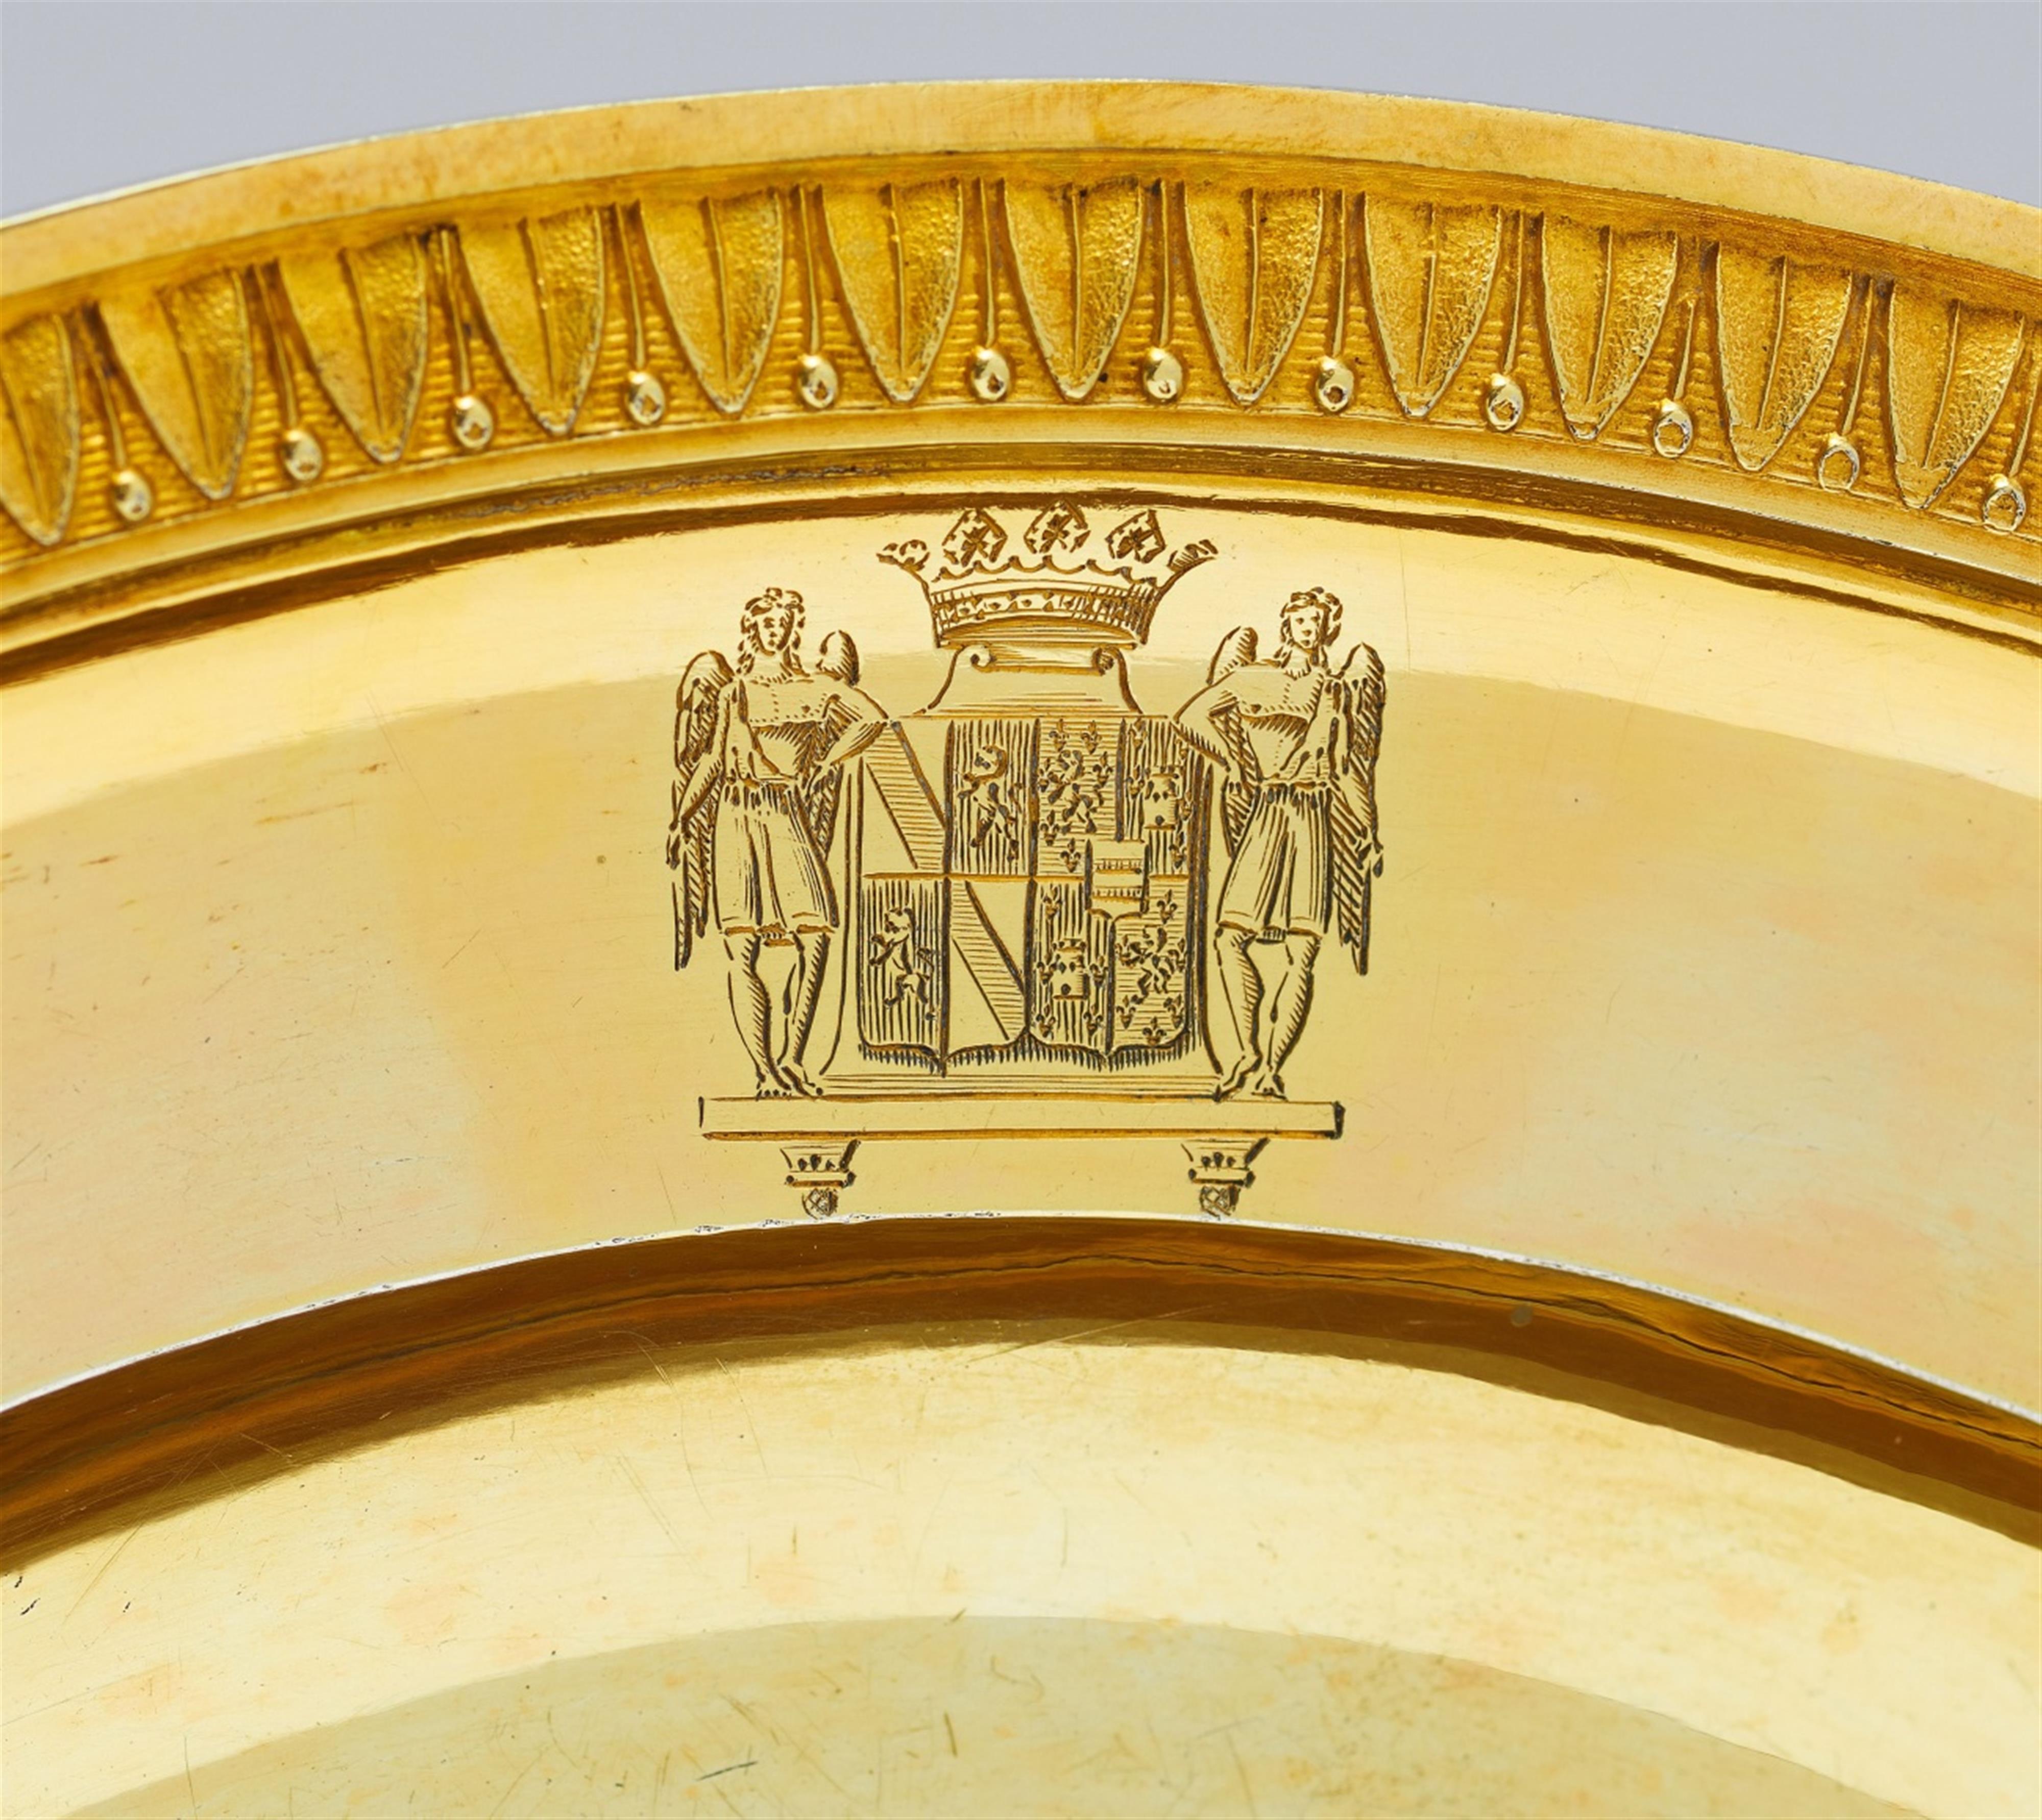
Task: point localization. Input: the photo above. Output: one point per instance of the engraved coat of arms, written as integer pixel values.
(1029, 908)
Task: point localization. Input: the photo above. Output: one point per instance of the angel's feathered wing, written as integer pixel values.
(692, 832)
(837, 659)
(1357, 843)
(1237, 800)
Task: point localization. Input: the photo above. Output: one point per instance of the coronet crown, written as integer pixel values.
(977, 590)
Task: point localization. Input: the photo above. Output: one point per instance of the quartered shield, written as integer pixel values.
(1026, 892)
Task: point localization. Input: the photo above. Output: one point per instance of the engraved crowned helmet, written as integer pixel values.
(1046, 593)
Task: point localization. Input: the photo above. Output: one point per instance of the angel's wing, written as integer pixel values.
(837, 659)
(693, 828)
(1237, 800)
(1357, 844)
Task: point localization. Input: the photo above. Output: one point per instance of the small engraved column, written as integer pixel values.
(1219, 1166)
(821, 1169)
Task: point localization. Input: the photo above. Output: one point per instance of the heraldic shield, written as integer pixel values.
(1027, 896)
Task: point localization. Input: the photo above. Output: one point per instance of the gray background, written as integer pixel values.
(97, 94)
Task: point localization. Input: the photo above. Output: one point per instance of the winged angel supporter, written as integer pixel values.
(1296, 741)
(758, 754)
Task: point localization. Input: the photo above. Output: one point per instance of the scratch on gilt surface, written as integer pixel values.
(728, 1769)
(1086, 1332)
(687, 1461)
(1240, 1769)
(751, 1423)
(1185, 1535)
(510, 1788)
(929, 1523)
(792, 1741)
(652, 1359)
(1631, 710)
(658, 1516)
(1029, 1679)
(403, 764)
(298, 814)
(1404, 596)
(228, 980)
(588, 1770)
(101, 1574)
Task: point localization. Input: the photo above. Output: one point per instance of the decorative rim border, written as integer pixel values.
(764, 296)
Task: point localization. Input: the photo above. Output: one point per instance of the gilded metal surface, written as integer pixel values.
(1482, 670)
(1075, 374)
(739, 1543)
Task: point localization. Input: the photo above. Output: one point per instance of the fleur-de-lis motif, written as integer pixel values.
(1062, 526)
(1136, 540)
(975, 537)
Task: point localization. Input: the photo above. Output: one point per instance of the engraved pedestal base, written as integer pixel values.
(817, 1137)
